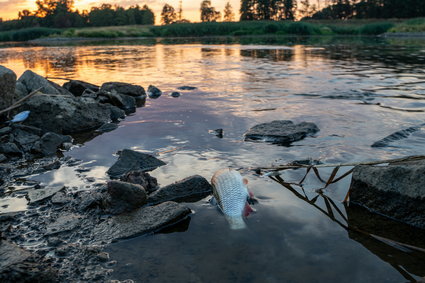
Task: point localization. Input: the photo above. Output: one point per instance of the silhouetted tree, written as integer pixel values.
(168, 15)
(208, 13)
(229, 16)
(248, 10)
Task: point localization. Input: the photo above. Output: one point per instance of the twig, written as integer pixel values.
(58, 78)
(19, 102)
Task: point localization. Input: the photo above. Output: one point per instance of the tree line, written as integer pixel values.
(61, 13)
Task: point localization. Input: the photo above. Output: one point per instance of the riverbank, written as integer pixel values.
(251, 28)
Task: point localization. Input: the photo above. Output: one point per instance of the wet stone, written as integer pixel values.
(9, 148)
(190, 189)
(124, 88)
(149, 183)
(77, 88)
(35, 195)
(2, 158)
(154, 92)
(108, 127)
(5, 130)
(130, 160)
(185, 87)
(60, 198)
(282, 132)
(144, 220)
(63, 223)
(175, 94)
(124, 197)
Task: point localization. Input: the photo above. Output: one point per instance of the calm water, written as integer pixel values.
(356, 91)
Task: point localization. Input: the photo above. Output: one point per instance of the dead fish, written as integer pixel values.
(231, 194)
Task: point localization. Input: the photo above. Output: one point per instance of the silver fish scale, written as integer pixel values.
(230, 193)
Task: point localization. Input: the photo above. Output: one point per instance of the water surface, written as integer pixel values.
(356, 90)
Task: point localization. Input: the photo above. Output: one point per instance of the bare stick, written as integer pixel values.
(57, 78)
(19, 102)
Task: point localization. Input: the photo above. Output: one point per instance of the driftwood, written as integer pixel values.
(57, 78)
(19, 102)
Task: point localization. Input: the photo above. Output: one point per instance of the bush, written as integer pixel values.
(271, 28)
(375, 29)
(302, 28)
(27, 34)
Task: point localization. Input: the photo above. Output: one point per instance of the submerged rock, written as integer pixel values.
(149, 183)
(281, 131)
(108, 127)
(402, 134)
(175, 94)
(154, 92)
(142, 221)
(396, 191)
(36, 195)
(77, 88)
(65, 222)
(191, 189)
(124, 88)
(7, 87)
(130, 160)
(124, 197)
(32, 82)
(185, 87)
(66, 114)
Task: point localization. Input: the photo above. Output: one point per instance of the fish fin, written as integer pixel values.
(245, 181)
(248, 210)
(236, 223)
(251, 195)
(213, 201)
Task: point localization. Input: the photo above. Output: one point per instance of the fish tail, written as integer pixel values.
(236, 223)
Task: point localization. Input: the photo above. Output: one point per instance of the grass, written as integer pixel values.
(28, 34)
(110, 32)
(412, 25)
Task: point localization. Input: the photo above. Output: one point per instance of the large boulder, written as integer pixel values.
(66, 114)
(124, 88)
(396, 190)
(50, 142)
(7, 87)
(191, 189)
(124, 197)
(149, 183)
(32, 82)
(77, 88)
(142, 221)
(130, 160)
(281, 132)
(124, 102)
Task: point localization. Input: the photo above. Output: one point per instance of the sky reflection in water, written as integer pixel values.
(341, 87)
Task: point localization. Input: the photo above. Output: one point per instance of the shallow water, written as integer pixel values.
(356, 91)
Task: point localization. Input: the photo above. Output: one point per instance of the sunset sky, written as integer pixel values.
(9, 8)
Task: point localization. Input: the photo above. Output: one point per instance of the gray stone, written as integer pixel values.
(185, 87)
(108, 127)
(282, 132)
(116, 113)
(124, 88)
(130, 160)
(24, 139)
(77, 88)
(402, 134)
(36, 195)
(9, 148)
(60, 198)
(7, 87)
(149, 183)
(66, 114)
(175, 94)
(124, 197)
(11, 254)
(29, 129)
(2, 158)
(5, 130)
(396, 191)
(50, 142)
(154, 92)
(191, 189)
(52, 165)
(142, 221)
(64, 223)
(140, 100)
(20, 91)
(32, 82)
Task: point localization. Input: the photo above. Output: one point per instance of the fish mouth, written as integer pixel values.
(236, 222)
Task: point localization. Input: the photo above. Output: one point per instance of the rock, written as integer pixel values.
(191, 189)
(175, 94)
(281, 132)
(36, 195)
(5, 130)
(10, 149)
(154, 92)
(77, 88)
(11, 254)
(124, 88)
(20, 91)
(33, 130)
(122, 101)
(7, 87)
(66, 114)
(130, 160)
(60, 198)
(65, 222)
(116, 113)
(402, 134)
(217, 132)
(2, 158)
(185, 87)
(142, 221)
(52, 166)
(108, 127)
(396, 191)
(124, 197)
(32, 82)
(149, 183)
(24, 139)
(90, 200)
(140, 100)
(50, 142)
